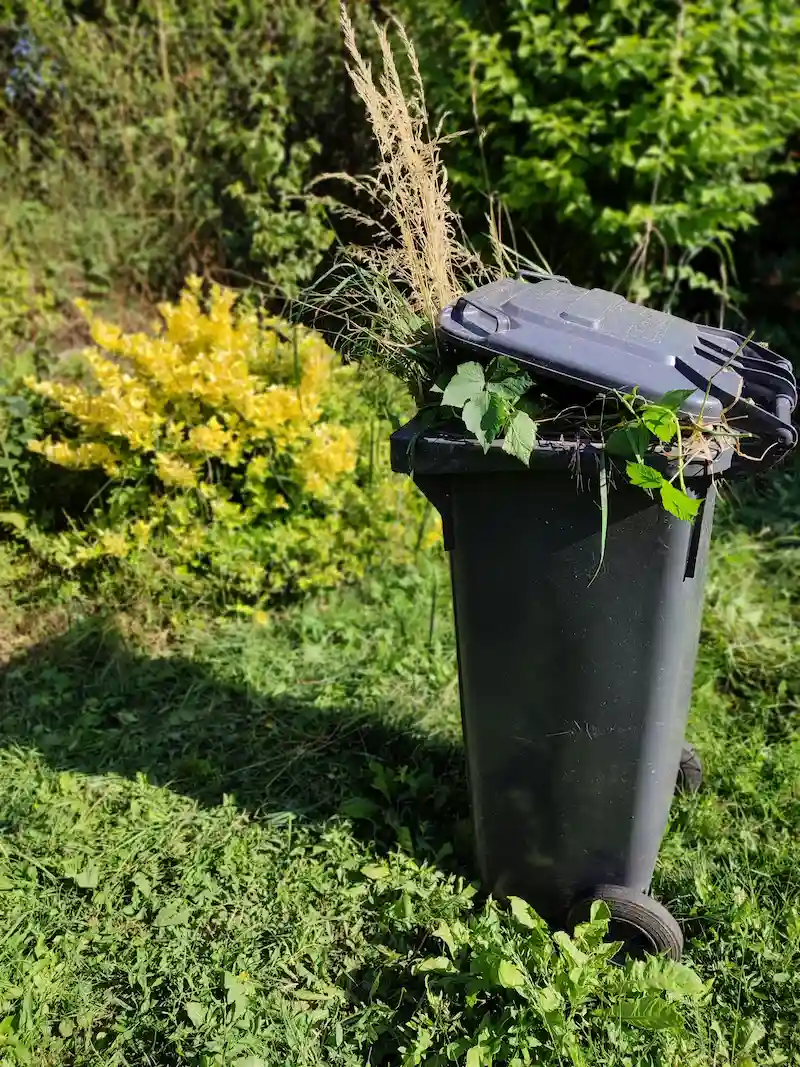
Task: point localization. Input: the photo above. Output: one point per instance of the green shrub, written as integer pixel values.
(631, 139)
(230, 447)
(153, 137)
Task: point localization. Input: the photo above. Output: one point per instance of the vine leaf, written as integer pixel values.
(467, 382)
(679, 503)
(520, 439)
(644, 475)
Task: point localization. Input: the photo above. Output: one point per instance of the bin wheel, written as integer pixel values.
(644, 926)
(690, 770)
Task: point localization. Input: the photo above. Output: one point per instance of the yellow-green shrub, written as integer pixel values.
(235, 445)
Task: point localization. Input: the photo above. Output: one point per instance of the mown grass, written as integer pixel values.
(226, 843)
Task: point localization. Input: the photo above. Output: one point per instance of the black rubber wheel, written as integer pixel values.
(690, 770)
(644, 926)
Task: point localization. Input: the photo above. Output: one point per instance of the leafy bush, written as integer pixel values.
(631, 139)
(233, 446)
(160, 135)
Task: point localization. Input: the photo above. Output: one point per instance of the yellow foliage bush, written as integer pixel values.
(235, 444)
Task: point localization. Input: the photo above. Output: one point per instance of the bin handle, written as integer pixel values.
(500, 317)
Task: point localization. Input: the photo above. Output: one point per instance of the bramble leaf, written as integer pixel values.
(520, 439)
(661, 421)
(674, 398)
(629, 441)
(467, 382)
(678, 503)
(644, 475)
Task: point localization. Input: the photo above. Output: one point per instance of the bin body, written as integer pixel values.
(574, 693)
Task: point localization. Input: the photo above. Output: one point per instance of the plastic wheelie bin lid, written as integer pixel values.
(597, 340)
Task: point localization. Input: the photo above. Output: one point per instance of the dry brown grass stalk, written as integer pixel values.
(418, 242)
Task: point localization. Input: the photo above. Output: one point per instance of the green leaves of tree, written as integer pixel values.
(492, 402)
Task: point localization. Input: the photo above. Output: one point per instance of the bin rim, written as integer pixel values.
(419, 449)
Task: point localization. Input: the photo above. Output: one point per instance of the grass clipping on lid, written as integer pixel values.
(382, 303)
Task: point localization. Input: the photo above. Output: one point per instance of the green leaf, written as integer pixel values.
(511, 389)
(467, 382)
(13, 518)
(644, 475)
(502, 367)
(509, 976)
(650, 1012)
(630, 441)
(524, 914)
(484, 416)
(599, 912)
(660, 421)
(675, 398)
(569, 949)
(669, 975)
(375, 871)
(172, 914)
(444, 933)
(440, 964)
(520, 439)
(475, 1057)
(196, 1012)
(89, 877)
(678, 503)
(359, 808)
(6, 883)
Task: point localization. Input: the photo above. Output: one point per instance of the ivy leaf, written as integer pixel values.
(650, 1012)
(510, 976)
(644, 475)
(660, 420)
(674, 399)
(678, 503)
(629, 441)
(466, 384)
(520, 439)
(484, 415)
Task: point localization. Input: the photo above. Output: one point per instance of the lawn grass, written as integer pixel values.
(231, 843)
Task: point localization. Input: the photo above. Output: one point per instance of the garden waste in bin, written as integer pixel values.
(575, 692)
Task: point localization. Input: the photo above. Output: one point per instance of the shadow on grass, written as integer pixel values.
(87, 701)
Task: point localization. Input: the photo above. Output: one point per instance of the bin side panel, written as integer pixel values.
(574, 695)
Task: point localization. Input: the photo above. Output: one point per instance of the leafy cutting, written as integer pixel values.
(501, 401)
